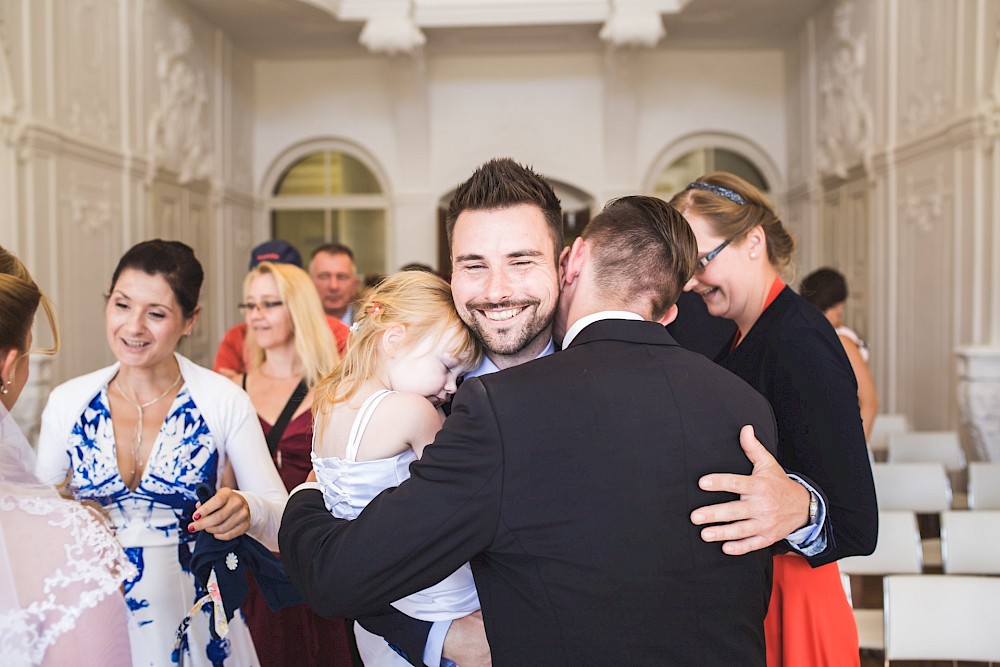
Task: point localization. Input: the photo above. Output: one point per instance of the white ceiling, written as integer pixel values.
(315, 28)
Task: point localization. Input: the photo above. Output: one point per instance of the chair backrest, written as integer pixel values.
(984, 485)
(941, 617)
(898, 550)
(885, 425)
(927, 446)
(970, 542)
(918, 487)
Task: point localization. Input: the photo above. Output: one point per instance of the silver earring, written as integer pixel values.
(3, 389)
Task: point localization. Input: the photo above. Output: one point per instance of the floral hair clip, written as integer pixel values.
(374, 309)
(354, 327)
(732, 196)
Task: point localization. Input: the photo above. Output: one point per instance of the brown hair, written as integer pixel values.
(20, 298)
(174, 261)
(502, 183)
(719, 203)
(644, 248)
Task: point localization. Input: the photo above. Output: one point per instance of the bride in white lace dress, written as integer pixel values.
(61, 569)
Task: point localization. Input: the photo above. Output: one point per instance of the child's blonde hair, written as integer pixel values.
(419, 301)
(315, 346)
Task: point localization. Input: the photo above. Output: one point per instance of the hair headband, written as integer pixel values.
(734, 197)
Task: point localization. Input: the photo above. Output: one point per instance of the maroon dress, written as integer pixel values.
(295, 635)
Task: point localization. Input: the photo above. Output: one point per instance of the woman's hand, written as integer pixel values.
(225, 515)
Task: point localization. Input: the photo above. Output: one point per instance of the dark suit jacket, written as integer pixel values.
(568, 482)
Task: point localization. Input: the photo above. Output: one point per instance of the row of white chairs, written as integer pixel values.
(926, 488)
(933, 617)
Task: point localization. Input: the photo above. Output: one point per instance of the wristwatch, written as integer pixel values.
(813, 508)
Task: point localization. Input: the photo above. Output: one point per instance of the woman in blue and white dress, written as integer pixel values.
(140, 436)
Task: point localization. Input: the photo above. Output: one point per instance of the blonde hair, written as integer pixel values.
(731, 219)
(315, 347)
(20, 298)
(417, 300)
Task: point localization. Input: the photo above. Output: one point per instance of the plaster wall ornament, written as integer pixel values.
(177, 135)
(392, 31)
(979, 399)
(923, 207)
(631, 26)
(91, 123)
(91, 215)
(991, 107)
(929, 70)
(846, 119)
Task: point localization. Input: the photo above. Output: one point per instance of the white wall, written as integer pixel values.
(594, 120)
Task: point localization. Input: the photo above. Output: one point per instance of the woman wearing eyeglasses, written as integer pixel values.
(141, 436)
(790, 353)
(289, 347)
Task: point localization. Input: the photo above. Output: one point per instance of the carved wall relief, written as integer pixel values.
(177, 134)
(923, 207)
(90, 208)
(87, 69)
(845, 128)
(927, 60)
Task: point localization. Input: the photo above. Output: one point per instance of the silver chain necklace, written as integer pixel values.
(137, 440)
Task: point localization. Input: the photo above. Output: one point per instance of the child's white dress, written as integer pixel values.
(348, 486)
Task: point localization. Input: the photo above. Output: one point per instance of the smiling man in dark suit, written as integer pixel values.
(569, 481)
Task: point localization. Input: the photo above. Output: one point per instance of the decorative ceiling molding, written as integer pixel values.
(394, 26)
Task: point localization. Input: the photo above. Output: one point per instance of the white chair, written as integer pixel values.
(970, 542)
(919, 487)
(984, 486)
(897, 552)
(878, 441)
(941, 617)
(927, 446)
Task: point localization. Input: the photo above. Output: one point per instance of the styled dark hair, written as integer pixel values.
(173, 260)
(502, 183)
(733, 207)
(19, 301)
(643, 248)
(824, 288)
(332, 249)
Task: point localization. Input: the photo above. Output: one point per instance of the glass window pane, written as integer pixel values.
(363, 231)
(305, 177)
(303, 229)
(348, 176)
(739, 165)
(685, 169)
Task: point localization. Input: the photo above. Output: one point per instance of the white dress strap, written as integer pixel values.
(361, 422)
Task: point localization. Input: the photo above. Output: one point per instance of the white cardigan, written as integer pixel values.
(229, 415)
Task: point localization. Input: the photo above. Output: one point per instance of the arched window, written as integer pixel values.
(331, 195)
(689, 166)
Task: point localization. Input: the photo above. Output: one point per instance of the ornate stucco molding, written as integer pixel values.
(177, 134)
(979, 399)
(846, 118)
(923, 207)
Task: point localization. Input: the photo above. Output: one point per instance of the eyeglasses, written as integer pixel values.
(264, 306)
(703, 261)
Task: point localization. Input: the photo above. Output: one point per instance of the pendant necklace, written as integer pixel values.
(137, 440)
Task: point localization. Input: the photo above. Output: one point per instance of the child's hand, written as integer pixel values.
(311, 477)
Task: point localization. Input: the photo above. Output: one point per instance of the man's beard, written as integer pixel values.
(508, 340)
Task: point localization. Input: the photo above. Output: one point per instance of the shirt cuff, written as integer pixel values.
(810, 539)
(306, 485)
(435, 642)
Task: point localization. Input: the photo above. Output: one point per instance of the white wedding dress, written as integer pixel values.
(61, 571)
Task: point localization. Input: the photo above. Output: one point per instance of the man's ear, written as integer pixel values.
(572, 259)
(670, 315)
(392, 339)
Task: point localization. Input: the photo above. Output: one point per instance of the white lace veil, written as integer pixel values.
(57, 562)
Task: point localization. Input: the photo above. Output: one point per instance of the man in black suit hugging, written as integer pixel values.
(569, 482)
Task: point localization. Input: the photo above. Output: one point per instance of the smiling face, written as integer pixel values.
(724, 281)
(505, 281)
(143, 319)
(271, 326)
(429, 367)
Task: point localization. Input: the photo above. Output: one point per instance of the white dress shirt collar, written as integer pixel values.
(579, 325)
